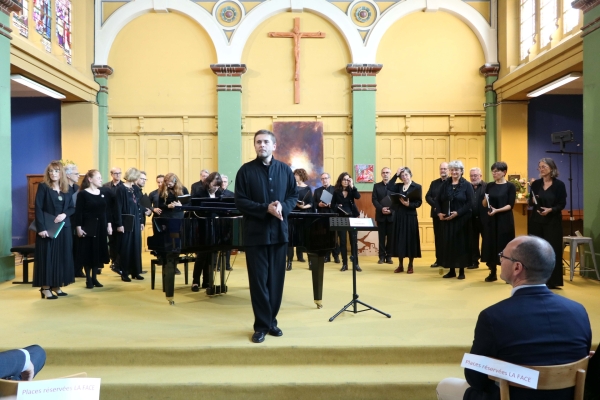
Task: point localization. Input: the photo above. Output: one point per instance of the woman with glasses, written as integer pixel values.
(500, 225)
(454, 204)
(406, 242)
(53, 266)
(128, 214)
(304, 204)
(343, 202)
(548, 199)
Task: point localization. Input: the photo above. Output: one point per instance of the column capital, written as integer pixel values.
(8, 6)
(490, 70)
(101, 71)
(585, 5)
(363, 69)
(228, 69)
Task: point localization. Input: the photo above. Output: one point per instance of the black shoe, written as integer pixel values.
(460, 276)
(388, 260)
(344, 267)
(99, 271)
(358, 269)
(79, 274)
(258, 337)
(138, 278)
(289, 266)
(125, 278)
(89, 285)
(434, 265)
(301, 260)
(44, 293)
(473, 266)
(275, 331)
(380, 260)
(450, 275)
(195, 288)
(204, 285)
(58, 292)
(228, 268)
(114, 269)
(144, 272)
(336, 259)
(326, 260)
(491, 278)
(177, 271)
(96, 283)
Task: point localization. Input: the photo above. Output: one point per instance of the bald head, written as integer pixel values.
(527, 260)
(444, 170)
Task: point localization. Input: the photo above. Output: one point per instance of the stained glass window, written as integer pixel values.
(21, 19)
(42, 14)
(63, 26)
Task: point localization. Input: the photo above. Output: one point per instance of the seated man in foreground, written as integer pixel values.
(22, 364)
(532, 327)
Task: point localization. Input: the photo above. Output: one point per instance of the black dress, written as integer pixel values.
(129, 244)
(93, 247)
(499, 228)
(346, 204)
(53, 257)
(549, 227)
(163, 204)
(455, 232)
(305, 195)
(406, 240)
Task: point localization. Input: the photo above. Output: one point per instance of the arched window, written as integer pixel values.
(527, 26)
(570, 16)
(548, 18)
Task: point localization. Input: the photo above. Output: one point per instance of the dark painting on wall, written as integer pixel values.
(300, 145)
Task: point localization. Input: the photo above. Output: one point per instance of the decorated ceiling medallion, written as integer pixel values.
(229, 13)
(363, 13)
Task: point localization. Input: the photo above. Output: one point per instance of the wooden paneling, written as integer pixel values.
(202, 154)
(337, 155)
(123, 152)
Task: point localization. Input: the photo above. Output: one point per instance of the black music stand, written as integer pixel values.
(342, 224)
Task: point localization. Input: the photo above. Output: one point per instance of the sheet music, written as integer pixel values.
(533, 198)
(361, 222)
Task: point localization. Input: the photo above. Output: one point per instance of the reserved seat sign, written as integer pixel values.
(60, 389)
(500, 369)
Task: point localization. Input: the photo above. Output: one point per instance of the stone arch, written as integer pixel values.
(483, 31)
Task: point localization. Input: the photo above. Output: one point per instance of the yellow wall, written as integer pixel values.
(79, 135)
(161, 66)
(430, 62)
(268, 85)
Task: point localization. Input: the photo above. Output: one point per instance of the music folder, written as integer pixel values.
(145, 201)
(184, 198)
(386, 201)
(52, 228)
(128, 220)
(90, 227)
(326, 197)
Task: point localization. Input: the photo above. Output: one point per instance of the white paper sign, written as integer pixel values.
(361, 222)
(500, 369)
(60, 389)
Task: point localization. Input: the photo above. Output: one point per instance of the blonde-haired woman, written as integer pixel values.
(168, 195)
(53, 266)
(129, 243)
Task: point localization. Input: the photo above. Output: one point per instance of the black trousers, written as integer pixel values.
(344, 247)
(475, 232)
(202, 267)
(385, 230)
(299, 253)
(439, 242)
(266, 275)
(113, 250)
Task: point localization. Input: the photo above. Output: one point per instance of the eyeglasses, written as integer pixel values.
(501, 256)
(324, 179)
(115, 173)
(346, 180)
(543, 167)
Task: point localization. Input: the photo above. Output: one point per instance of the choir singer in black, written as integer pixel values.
(265, 194)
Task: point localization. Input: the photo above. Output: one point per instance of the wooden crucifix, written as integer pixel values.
(297, 35)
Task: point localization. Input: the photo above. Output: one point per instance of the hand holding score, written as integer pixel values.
(544, 210)
(275, 209)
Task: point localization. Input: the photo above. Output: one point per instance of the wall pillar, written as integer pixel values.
(7, 261)
(101, 74)
(364, 89)
(229, 118)
(490, 72)
(591, 121)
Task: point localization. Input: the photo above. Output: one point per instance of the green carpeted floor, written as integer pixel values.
(143, 348)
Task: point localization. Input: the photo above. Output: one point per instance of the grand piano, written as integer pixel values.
(215, 225)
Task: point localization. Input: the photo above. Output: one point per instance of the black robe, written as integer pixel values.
(92, 250)
(406, 240)
(499, 229)
(129, 244)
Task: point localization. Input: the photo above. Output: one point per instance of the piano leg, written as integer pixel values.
(169, 276)
(317, 263)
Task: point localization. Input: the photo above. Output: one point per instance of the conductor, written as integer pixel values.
(265, 193)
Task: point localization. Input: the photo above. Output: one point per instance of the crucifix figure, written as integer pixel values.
(297, 35)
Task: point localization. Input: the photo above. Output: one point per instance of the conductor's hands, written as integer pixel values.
(275, 209)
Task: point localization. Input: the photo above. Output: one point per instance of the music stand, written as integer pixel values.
(343, 225)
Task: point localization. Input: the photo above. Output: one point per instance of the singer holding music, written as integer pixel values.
(304, 204)
(500, 225)
(549, 198)
(454, 204)
(343, 202)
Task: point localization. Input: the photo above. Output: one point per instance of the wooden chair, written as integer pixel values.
(552, 377)
(9, 388)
